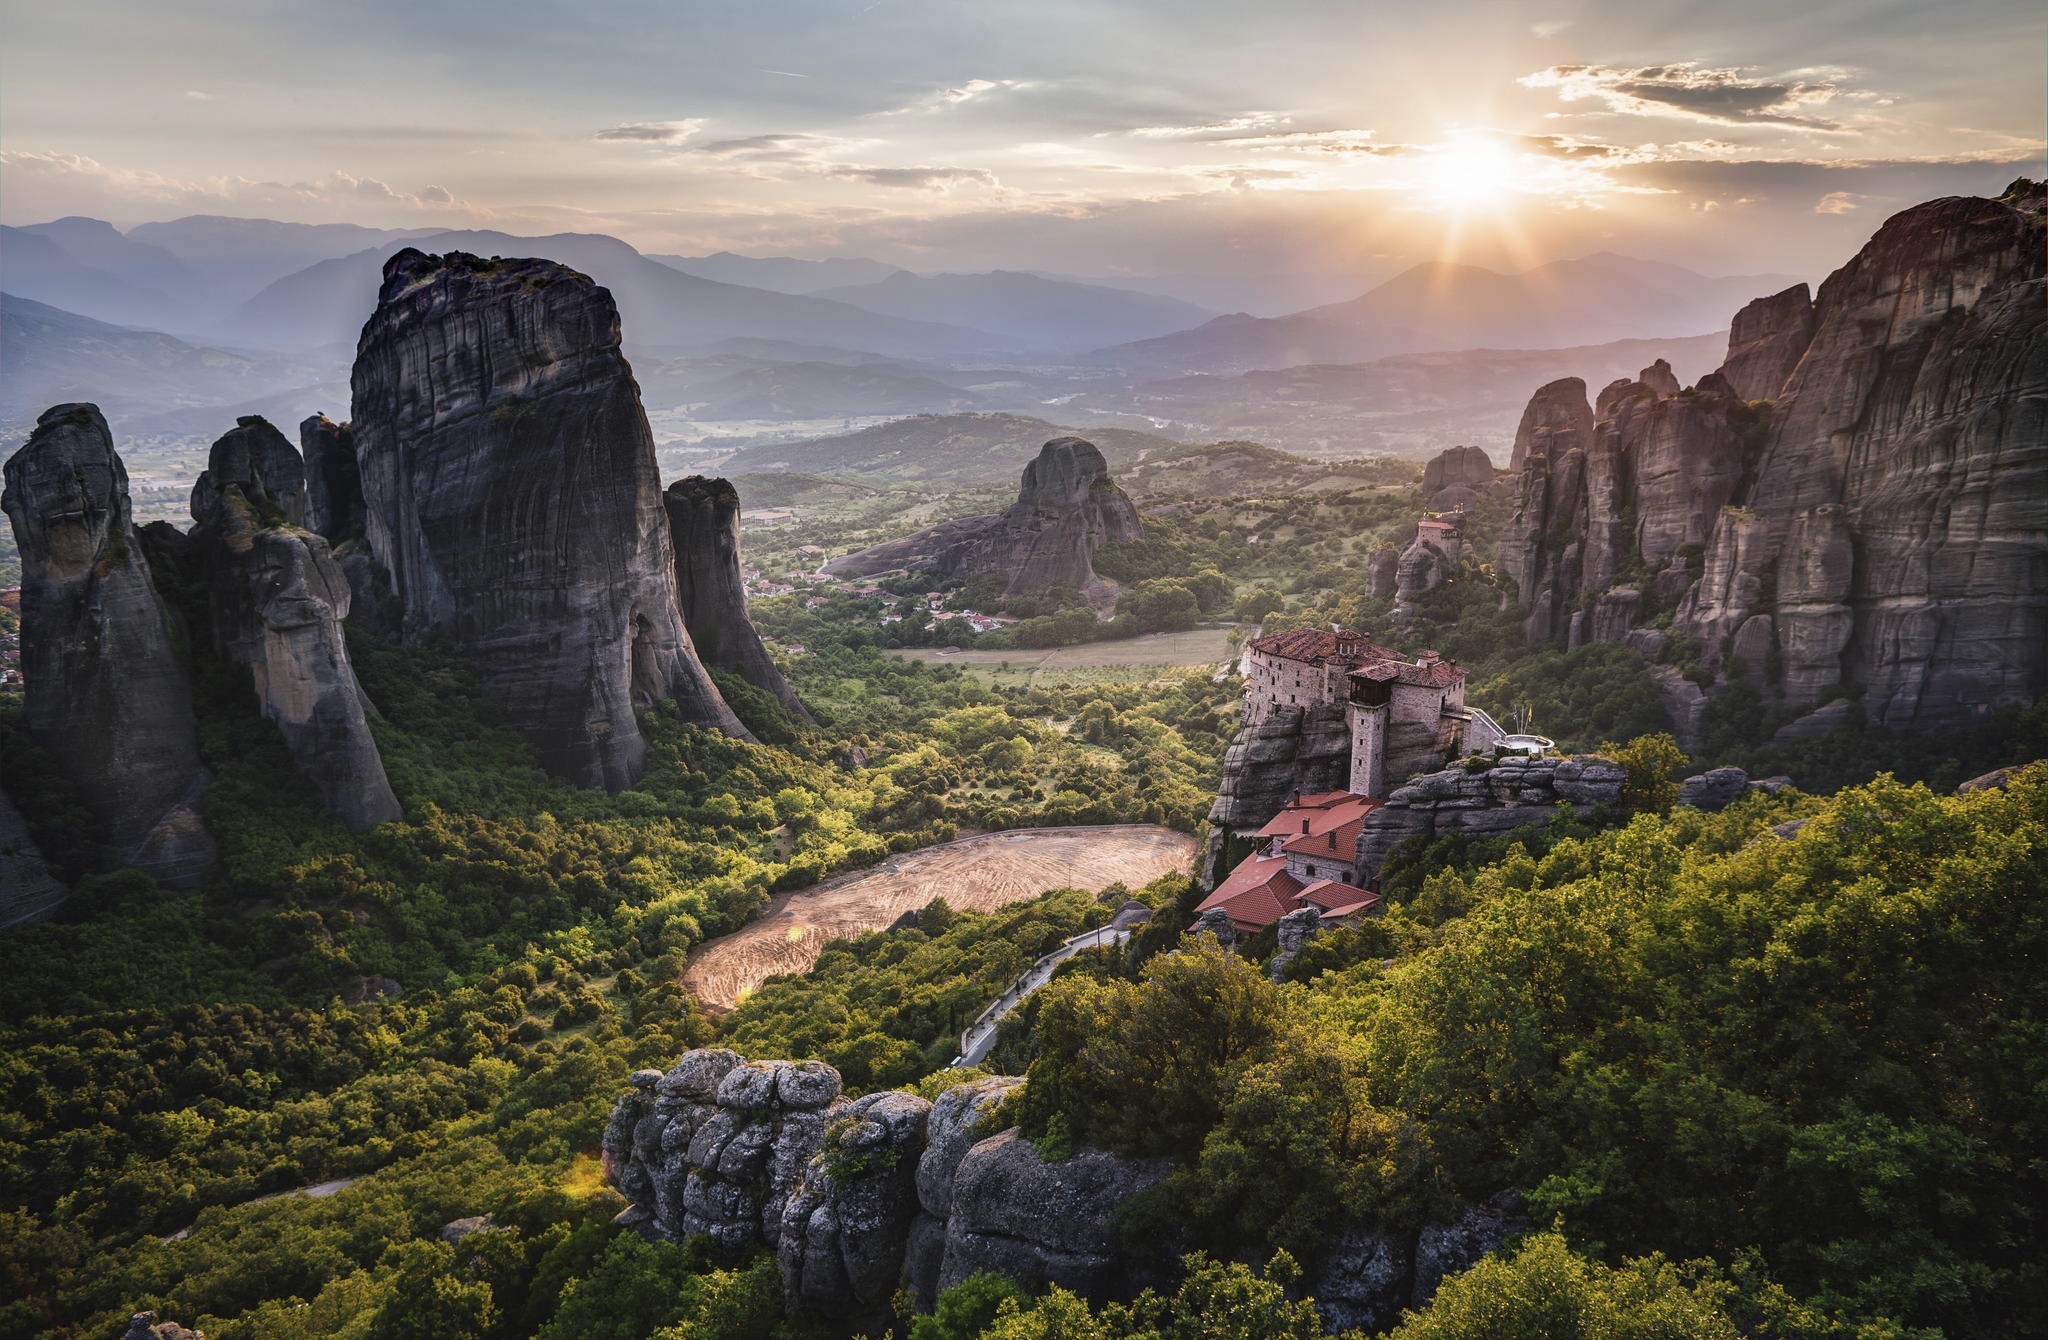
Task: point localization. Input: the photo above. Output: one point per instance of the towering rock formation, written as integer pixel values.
(1556, 420)
(1066, 508)
(106, 694)
(1766, 341)
(511, 496)
(1454, 477)
(704, 527)
(334, 484)
(278, 599)
(1883, 526)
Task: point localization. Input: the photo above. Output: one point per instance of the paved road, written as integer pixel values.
(981, 1034)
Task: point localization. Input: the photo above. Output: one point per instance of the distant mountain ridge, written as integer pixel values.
(1439, 305)
(662, 307)
(980, 450)
(1030, 310)
(782, 274)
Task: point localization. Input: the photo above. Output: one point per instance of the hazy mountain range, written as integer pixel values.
(1439, 306)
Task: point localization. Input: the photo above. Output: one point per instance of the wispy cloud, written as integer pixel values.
(1729, 96)
(199, 95)
(780, 147)
(653, 132)
(973, 90)
(915, 178)
(1837, 202)
(1241, 124)
(76, 173)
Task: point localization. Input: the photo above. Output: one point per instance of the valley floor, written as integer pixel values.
(977, 874)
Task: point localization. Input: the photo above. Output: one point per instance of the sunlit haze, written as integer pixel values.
(1069, 135)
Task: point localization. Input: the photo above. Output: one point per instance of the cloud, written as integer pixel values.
(1240, 124)
(653, 132)
(971, 91)
(1837, 202)
(1319, 141)
(78, 184)
(915, 178)
(786, 146)
(199, 95)
(1571, 147)
(1685, 89)
(1549, 28)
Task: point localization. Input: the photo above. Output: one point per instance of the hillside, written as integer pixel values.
(1027, 310)
(734, 386)
(1439, 306)
(957, 450)
(142, 379)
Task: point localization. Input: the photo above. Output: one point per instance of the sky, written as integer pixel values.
(1088, 137)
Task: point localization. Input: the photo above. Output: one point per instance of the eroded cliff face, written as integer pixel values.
(1882, 525)
(1067, 507)
(278, 599)
(105, 691)
(861, 1197)
(511, 495)
(704, 526)
(334, 484)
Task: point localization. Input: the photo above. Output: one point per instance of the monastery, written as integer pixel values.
(1403, 717)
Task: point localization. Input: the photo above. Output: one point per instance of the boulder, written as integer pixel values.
(511, 494)
(105, 691)
(1293, 933)
(1820, 721)
(145, 1326)
(1045, 1223)
(1714, 789)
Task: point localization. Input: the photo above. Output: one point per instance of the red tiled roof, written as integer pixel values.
(1256, 894)
(1336, 900)
(1288, 820)
(1339, 840)
(1440, 675)
(1320, 644)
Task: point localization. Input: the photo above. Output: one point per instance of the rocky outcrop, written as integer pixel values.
(1515, 792)
(1431, 559)
(1556, 420)
(105, 692)
(704, 527)
(1456, 468)
(334, 483)
(28, 891)
(1044, 1223)
(278, 600)
(847, 1223)
(511, 495)
(1382, 572)
(1714, 789)
(145, 1326)
(861, 1198)
(1290, 749)
(1291, 935)
(1766, 341)
(1067, 507)
(1881, 526)
(1371, 1275)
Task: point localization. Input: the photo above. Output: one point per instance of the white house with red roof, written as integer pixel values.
(1304, 859)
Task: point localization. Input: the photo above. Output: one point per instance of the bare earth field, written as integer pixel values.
(1126, 658)
(976, 874)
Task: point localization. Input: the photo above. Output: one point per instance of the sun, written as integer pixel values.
(1469, 174)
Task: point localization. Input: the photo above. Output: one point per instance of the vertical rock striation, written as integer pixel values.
(278, 599)
(334, 484)
(106, 694)
(1881, 525)
(28, 891)
(511, 494)
(704, 527)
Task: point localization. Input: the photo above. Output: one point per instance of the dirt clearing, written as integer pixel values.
(976, 874)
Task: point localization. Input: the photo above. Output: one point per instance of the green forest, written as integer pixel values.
(1748, 1084)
